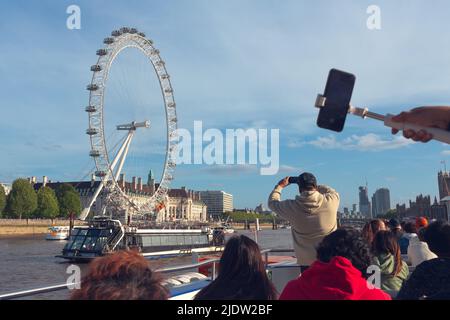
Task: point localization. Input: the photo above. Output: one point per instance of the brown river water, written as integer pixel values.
(29, 262)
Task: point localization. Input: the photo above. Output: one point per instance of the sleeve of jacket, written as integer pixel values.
(282, 208)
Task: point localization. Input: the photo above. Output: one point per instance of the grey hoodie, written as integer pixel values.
(313, 215)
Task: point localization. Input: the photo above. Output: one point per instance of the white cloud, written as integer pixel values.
(285, 169)
(445, 152)
(368, 142)
(228, 169)
(295, 144)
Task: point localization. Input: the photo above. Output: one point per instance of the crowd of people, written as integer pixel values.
(336, 263)
(343, 265)
(345, 256)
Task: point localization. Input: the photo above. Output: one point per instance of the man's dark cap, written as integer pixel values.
(307, 180)
(393, 223)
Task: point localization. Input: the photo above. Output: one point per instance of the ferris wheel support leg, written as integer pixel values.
(125, 153)
(100, 187)
(121, 150)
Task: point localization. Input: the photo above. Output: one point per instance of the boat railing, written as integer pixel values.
(118, 236)
(65, 286)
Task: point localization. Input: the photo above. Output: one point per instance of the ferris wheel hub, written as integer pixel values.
(133, 125)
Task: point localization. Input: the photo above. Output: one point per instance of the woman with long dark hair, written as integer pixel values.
(242, 274)
(387, 256)
(371, 228)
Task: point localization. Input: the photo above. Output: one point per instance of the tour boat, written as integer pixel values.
(106, 235)
(57, 233)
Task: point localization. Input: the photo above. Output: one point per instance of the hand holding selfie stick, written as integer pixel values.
(438, 134)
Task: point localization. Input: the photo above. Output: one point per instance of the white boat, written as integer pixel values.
(229, 230)
(58, 233)
(225, 228)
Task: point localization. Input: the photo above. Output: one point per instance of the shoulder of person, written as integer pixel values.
(425, 267)
(290, 291)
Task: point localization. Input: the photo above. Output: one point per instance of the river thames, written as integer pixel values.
(28, 262)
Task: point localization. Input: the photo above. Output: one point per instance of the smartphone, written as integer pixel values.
(338, 93)
(293, 180)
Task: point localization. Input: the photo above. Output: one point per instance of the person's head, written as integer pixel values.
(437, 235)
(421, 234)
(402, 224)
(242, 274)
(371, 228)
(347, 243)
(307, 182)
(124, 275)
(410, 227)
(421, 222)
(385, 242)
(394, 224)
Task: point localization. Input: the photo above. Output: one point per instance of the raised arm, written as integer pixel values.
(282, 208)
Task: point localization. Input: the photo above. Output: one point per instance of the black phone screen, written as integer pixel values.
(338, 93)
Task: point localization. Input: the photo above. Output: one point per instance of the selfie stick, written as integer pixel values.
(438, 134)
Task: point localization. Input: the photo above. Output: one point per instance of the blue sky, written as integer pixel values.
(233, 64)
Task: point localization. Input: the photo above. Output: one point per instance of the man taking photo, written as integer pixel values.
(312, 214)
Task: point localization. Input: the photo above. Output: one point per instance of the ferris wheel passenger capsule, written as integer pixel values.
(160, 63)
(108, 40)
(141, 34)
(102, 52)
(92, 131)
(125, 30)
(94, 153)
(100, 174)
(171, 163)
(91, 109)
(96, 68)
(116, 33)
(92, 87)
(133, 30)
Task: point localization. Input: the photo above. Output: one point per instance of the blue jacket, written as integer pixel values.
(403, 242)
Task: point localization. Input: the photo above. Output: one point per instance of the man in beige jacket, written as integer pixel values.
(313, 214)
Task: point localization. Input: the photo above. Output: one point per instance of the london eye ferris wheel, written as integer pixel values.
(109, 166)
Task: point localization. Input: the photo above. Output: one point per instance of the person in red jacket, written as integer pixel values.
(339, 273)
